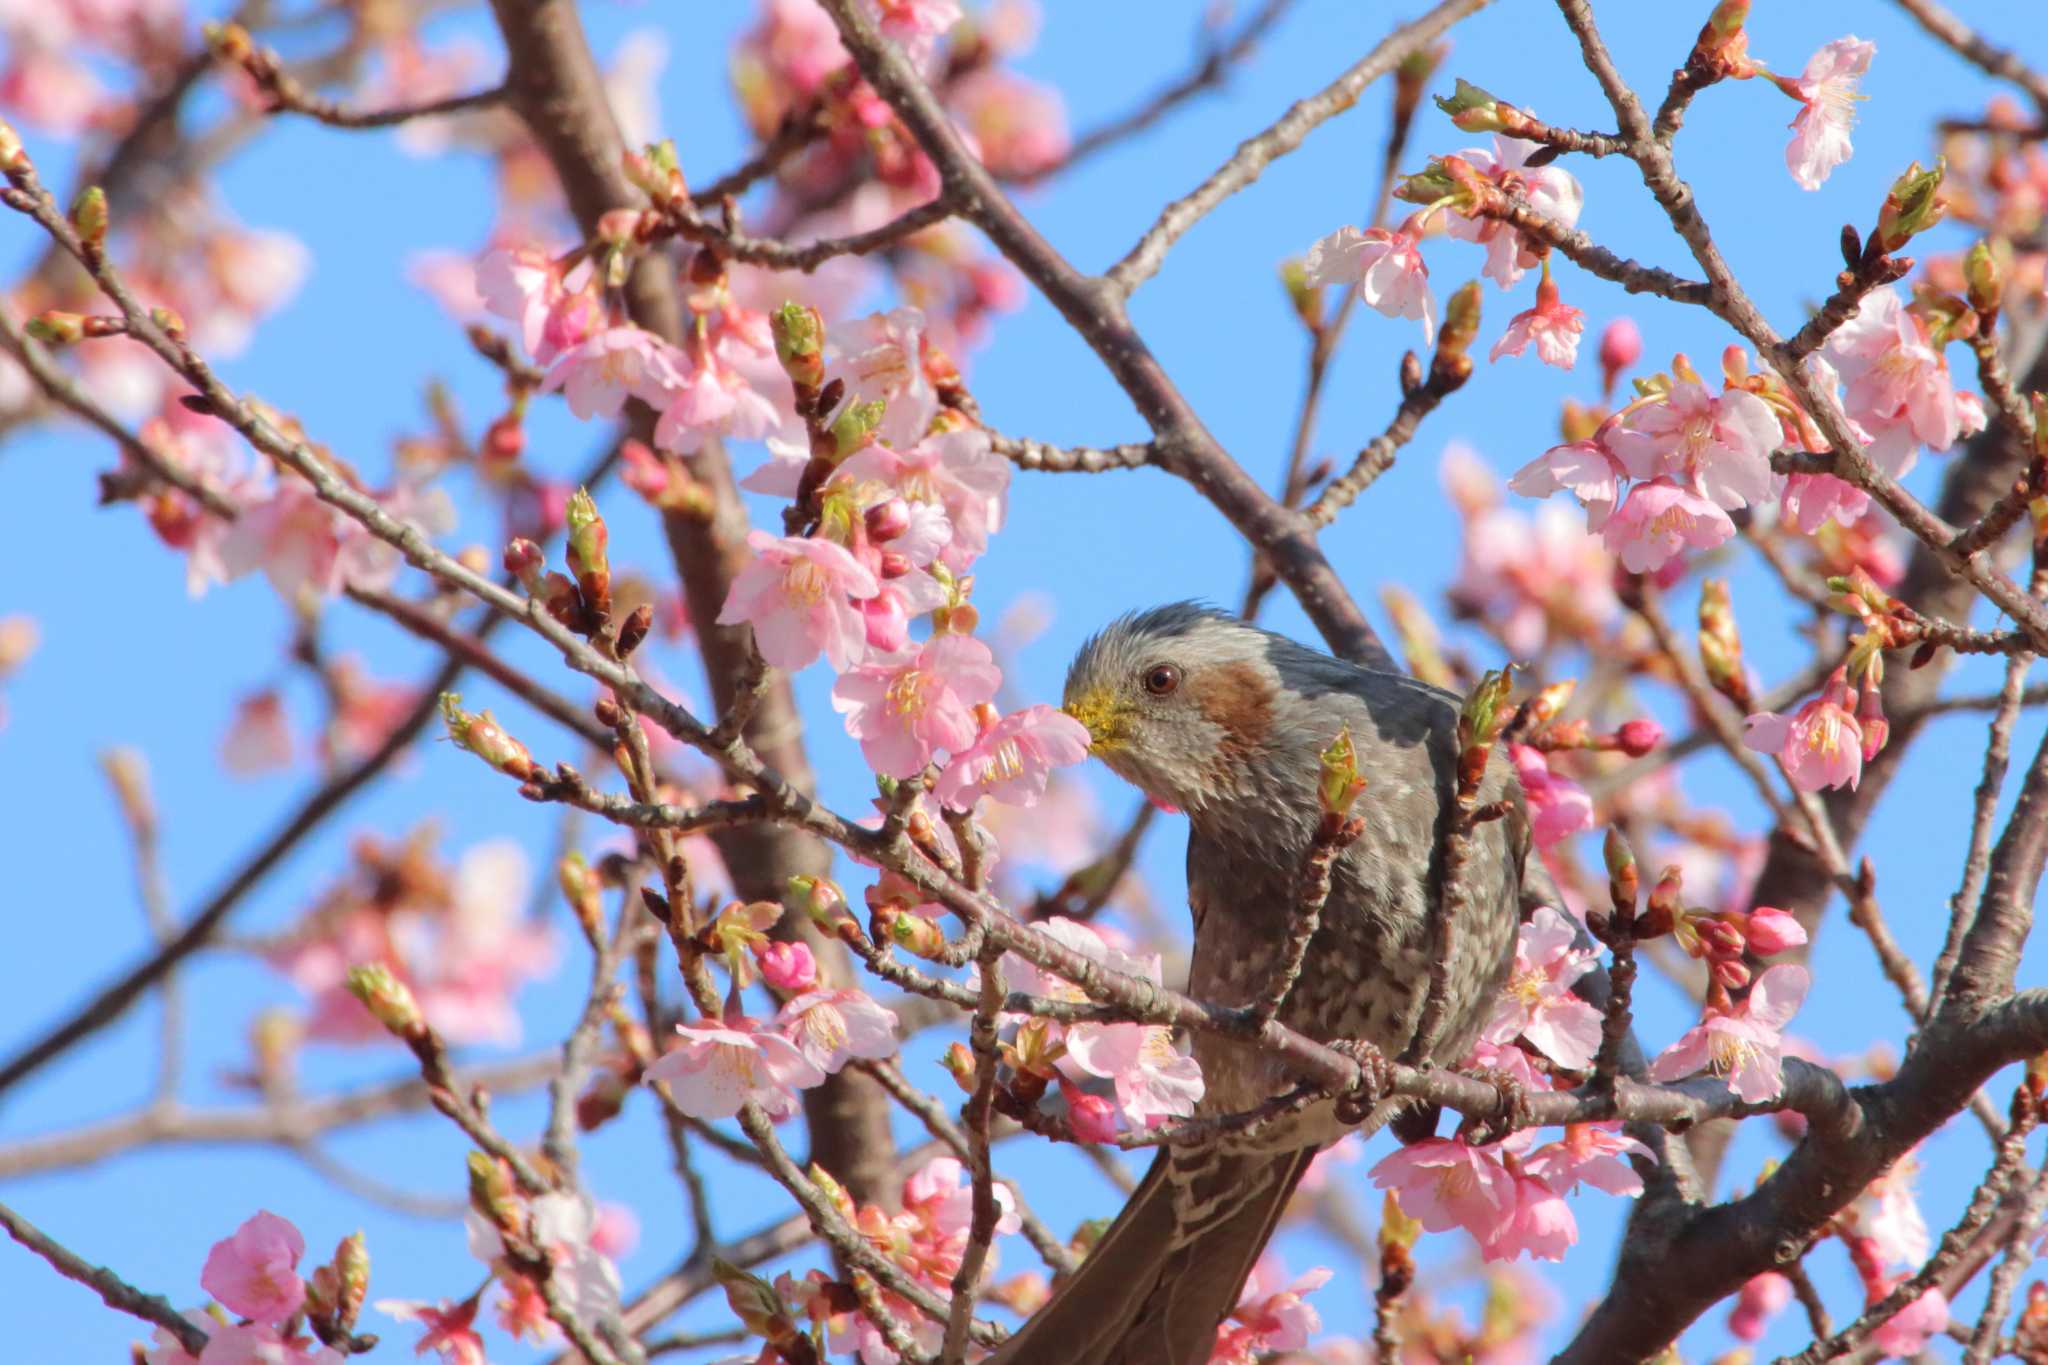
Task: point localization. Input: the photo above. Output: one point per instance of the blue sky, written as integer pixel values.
(128, 658)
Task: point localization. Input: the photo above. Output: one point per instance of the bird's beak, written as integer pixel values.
(1103, 719)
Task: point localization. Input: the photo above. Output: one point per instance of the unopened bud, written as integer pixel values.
(1770, 930)
(799, 332)
(1461, 321)
(1475, 110)
(584, 891)
(959, 1063)
(1621, 345)
(855, 425)
(655, 171)
(481, 735)
(1549, 702)
(13, 156)
(1729, 973)
(788, 967)
(1623, 881)
(753, 1300)
(887, 519)
(1485, 711)
(89, 217)
(352, 1273)
(1871, 720)
(1397, 1229)
(1306, 299)
(1637, 737)
(633, 630)
(55, 327)
(1913, 205)
(389, 1000)
(1664, 912)
(1721, 643)
(587, 555)
(817, 899)
(1984, 273)
(1338, 783)
(491, 1193)
(911, 932)
(229, 42)
(524, 561)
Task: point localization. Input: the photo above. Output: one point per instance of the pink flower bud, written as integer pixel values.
(893, 565)
(888, 625)
(788, 966)
(1639, 736)
(1092, 1117)
(888, 520)
(1870, 715)
(1771, 930)
(1730, 974)
(1621, 345)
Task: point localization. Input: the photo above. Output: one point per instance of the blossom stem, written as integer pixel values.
(114, 1291)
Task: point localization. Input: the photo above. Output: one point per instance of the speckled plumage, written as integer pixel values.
(1235, 743)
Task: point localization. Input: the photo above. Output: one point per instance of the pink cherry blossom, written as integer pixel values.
(1385, 267)
(254, 1272)
(1742, 1045)
(1718, 447)
(940, 1191)
(831, 1028)
(1887, 1215)
(1771, 930)
(1587, 470)
(1550, 190)
(1827, 92)
(260, 1343)
(1444, 1183)
(799, 594)
(911, 20)
(1592, 1153)
(1559, 807)
(526, 287)
(1538, 1223)
(717, 1068)
(1906, 1333)
(1013, 758)
(1019, 127)
(1154, 1080)
(958, 473)
(1809, 500)
(881, 357)
(1535, 580)
(598, 374)
(789, 967)
(564, 1225)
(1555, 327)
(1271, 1315)
(1820, 745)
(1896, 384)
(1762, 1298)
(1658, 520)
(259, 739)
(903, 710)
(712, 396)
(1537, 1002)
(450, 1328)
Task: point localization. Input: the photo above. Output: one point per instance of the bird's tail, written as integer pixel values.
(1161, 1280)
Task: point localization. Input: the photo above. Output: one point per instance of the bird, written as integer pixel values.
(1225, 721)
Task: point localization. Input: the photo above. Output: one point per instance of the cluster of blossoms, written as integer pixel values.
(1114, 1077)
(459, 940)
(926, 1239)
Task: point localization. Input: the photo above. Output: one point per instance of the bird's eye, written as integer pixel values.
(1162, 679)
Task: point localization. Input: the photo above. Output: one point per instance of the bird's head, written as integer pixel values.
(1178, 700)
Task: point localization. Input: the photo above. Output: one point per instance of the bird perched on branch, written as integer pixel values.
(1228, 723)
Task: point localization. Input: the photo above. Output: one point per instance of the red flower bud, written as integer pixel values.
(1639, 736)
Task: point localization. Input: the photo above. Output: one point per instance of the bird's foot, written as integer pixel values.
(1375, 1080)
(1515, 1114)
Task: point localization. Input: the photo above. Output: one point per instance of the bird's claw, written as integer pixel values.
(1375, 1080)
(1515, 1115)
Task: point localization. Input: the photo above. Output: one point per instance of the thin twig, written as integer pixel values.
(114, 1291)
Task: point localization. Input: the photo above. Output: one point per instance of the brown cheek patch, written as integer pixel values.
(1236, 699)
